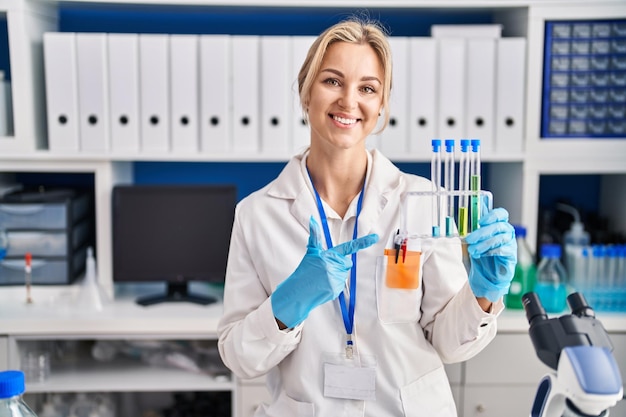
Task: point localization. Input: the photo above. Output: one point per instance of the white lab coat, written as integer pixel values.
(406, 335)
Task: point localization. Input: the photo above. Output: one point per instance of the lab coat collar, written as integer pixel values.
(291, 184)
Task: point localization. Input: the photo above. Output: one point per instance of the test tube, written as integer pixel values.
(621, 266)
(584, 273)
(28, 258)
(597, 267)
(435, 177)
(610, 265)
(475, 182)
(463, 186)
(449, 185)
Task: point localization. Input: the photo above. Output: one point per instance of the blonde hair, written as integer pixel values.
(354, 30)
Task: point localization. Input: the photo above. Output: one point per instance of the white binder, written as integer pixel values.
(480, 92)
(492, 31)
(451, 88)
(246, 93)
(394, 139)
(275, 95)
(61, 91)
(423, 95)
(93, 94)
(184, 93)
(300, 132)
(215, 93)
(510, 88)
(123, 61)
(154, 93)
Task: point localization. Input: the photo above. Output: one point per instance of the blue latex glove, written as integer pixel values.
(320, 277)
(493, 254)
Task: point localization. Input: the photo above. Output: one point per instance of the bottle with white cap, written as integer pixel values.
(575, 241)
(12, 388)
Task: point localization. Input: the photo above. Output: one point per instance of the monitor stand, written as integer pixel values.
(176, 292)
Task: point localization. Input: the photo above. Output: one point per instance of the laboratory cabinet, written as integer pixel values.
(500, 380)
(124, 349)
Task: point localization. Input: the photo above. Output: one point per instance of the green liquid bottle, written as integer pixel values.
(525, 272)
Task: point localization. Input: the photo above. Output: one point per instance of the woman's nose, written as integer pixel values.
(348, 99)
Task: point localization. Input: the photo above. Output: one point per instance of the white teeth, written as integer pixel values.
(344, 121)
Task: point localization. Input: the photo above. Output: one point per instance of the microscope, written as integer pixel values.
(587, 381)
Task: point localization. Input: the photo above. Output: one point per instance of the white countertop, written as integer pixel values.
(54, 312)
(514, 321)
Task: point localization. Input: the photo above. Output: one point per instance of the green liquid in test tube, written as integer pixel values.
(463, 186)
(475, 183)
(448, 183)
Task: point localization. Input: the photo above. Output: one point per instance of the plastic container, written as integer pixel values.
(525, 272)
(551, 285)
(91, 295)
(11, 389)
(576, 235)
(575, 241)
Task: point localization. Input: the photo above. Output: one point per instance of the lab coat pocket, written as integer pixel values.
(398, 291)
(429, 396)
(287, 406)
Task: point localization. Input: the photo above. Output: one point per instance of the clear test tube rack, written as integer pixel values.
(451, 213)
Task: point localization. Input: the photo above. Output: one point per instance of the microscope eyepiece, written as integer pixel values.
(534, 309)
(579, 306)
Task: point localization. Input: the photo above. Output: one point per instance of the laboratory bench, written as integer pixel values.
(501, 380)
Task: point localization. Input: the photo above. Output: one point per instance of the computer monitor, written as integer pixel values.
(172, 233)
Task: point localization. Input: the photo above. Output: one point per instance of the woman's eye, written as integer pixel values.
(332, 81)
(368, 89)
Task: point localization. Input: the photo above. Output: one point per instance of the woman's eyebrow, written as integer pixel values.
(340, 74)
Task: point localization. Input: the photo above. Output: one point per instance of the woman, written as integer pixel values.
(304, 244)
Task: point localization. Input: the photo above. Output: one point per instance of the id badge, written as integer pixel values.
(350, 382)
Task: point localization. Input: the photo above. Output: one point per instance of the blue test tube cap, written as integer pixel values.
(436, 144)
(550, 250)
(465, 143)
(598, 251)
(520, 231)
(475, 144)
(610, 251)
(449, 145)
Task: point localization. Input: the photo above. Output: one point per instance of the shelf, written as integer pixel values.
(577, 156)
(121, 376)
(331, 3)
(52, 315)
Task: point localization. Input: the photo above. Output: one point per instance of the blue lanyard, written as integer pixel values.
(346, 311)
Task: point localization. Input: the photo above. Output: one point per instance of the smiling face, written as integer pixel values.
(346, 96)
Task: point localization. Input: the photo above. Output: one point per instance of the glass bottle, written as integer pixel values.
(551, 285)
(11, 389)
(525, 271)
